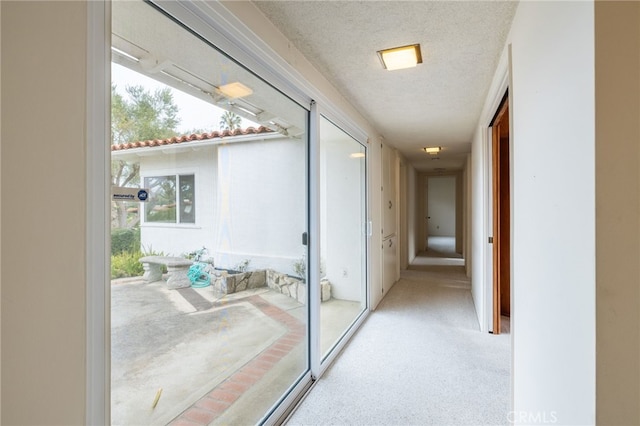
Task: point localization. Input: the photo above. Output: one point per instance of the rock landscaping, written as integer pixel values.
(293, 287)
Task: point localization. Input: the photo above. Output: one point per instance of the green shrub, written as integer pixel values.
(126, 264)
(125, 240)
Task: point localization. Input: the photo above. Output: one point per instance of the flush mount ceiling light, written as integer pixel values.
(235, 90)
(398, 58)
(432, 150)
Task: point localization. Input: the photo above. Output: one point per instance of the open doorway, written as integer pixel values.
(501, 219)
(442, 233)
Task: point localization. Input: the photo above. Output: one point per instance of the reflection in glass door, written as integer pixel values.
(209, 304)
(342, 233)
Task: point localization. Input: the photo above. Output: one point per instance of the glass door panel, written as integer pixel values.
(343, 233)
(208, 294)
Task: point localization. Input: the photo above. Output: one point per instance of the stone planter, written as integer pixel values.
(293, 287)
(232, 283)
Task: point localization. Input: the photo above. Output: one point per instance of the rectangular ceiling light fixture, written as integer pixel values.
(235, 90)
(398, 58)
(432, 150)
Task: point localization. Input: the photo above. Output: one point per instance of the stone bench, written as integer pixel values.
(177, 268)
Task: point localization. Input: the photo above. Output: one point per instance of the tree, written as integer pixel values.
(143, 115)
(230, 121)
(139, 116)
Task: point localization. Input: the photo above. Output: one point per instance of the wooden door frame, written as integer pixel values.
(501, 210)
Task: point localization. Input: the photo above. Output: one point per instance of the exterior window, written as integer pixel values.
(171, 199)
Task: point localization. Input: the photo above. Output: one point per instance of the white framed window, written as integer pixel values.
(171, 199)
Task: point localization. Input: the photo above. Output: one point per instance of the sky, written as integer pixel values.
(194, 113)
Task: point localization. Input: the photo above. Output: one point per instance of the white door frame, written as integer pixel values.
(484, 270)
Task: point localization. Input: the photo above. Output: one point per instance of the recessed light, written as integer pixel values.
(400, 57)
(357, 155)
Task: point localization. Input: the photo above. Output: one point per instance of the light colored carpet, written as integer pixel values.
(440, 251)
(419, 359)
(449, 275)
(442, 247)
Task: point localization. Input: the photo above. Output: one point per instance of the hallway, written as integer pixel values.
(418, 359)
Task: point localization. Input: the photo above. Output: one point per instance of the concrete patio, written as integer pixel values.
(217, 358)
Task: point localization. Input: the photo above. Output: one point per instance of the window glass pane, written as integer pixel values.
(162, 199)
(187, 199)
(209, 300)
(343, 236)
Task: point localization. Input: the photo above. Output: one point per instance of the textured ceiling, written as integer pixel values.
(438, 103)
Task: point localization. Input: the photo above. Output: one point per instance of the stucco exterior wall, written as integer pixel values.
(176, 239)
(261, 206)
(250, 202)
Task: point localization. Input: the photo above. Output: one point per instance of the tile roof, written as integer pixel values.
(191, 138)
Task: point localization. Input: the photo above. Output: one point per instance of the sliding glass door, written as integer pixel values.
(215, 316)
(209, 293)
(343, 236)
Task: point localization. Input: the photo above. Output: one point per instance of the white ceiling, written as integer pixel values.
(438, 103)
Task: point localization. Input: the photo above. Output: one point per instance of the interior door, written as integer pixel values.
(441, 206)
(501, 217)
(389, 174)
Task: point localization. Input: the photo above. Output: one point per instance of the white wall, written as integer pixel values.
(343, 209)
(441, 206)
(261, 209)
(553, 210)
(375, 214)
(480, 251)
(468, 262)
(553, 252)
(250, 202)
(178, 239)
(459, 211)
(421, 221)
(403, 217)
(412, 212)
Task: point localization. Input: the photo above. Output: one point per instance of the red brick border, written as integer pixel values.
(215, 402)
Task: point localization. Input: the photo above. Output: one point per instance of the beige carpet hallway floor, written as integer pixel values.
(419, 359)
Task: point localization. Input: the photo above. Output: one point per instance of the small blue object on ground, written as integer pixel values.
(198, 276)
